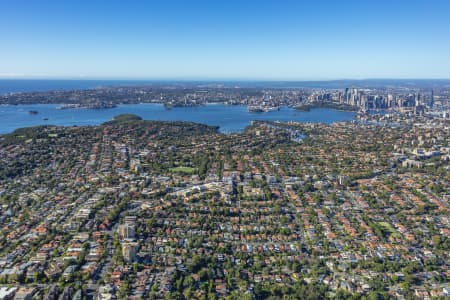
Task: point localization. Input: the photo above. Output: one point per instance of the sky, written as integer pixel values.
(225, 39)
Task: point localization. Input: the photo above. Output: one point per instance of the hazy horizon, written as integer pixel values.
(174, 79)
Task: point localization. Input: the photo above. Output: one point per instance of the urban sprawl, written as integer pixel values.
(136, 209)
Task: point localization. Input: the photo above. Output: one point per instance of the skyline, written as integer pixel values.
(200, 40)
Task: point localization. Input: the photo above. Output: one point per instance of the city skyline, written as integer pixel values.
(200, 40)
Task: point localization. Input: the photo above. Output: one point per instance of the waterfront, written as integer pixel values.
(228, 117)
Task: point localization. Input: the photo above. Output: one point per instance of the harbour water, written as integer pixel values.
(228, 117)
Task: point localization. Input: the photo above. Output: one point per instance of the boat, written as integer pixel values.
(33, 112)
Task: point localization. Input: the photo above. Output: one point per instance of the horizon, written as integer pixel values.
(218, 80)
(233, 41)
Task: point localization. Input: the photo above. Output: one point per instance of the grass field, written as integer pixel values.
(388, 228)
(184, 170)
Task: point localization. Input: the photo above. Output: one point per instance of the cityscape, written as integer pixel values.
(224, 150)
(416, 100)
(147, 209)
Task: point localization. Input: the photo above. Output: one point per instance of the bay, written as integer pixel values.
(229, 118)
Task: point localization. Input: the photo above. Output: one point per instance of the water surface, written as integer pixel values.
(228, 117)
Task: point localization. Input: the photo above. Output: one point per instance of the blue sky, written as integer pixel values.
(260, 40)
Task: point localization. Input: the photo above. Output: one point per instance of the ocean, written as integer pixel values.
(42, 85)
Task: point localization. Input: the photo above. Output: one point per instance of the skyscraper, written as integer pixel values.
(126, 231)
(129, 251)
(431, 103)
